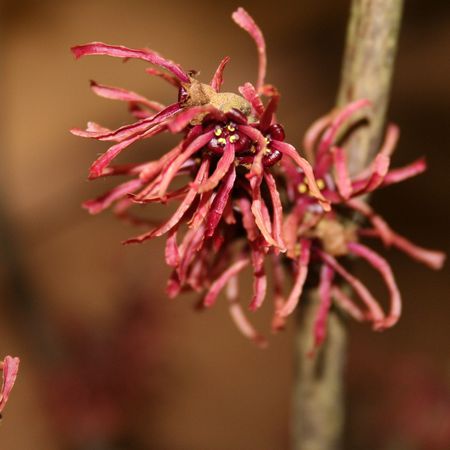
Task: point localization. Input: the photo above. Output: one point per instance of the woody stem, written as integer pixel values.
(372, 34)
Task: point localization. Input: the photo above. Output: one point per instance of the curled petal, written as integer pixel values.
(118, 51)
(302, 272)
(379, 170)
(376, 314)
(99, 204)
(411, 170)
(377, 221)
(174, 81)
(217, 79)
(220, 283)
(9, 367)
(256, 136)
(222, 168)
(320, 323)
(239, 317)
(178, 214)
(245, 21)
(278, 322)
(259, 276)
(249, 93)
(115, 93)
(432, 258)
(220, 201)
(130, 130)
(347, 304)
(174, 167)
(172, 254)
(313, 133)
(101, 163)
(248, 220)
(339, 119)
(187, 115)
(384, 269)
(290, 151)
(277, 224)
(269, 111)
(258, 207)
(343, 180)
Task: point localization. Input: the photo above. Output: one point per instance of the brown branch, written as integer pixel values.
(367, 71)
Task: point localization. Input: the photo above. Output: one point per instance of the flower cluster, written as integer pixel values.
(247, 197)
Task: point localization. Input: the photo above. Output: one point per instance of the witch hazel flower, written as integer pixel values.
(230, 152)
(323, 238)
(9, 368)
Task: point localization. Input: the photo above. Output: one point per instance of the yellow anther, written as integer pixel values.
(221, 141)
(320, 184)
(218, 131)
(234, 138)
(231, 128)
(302, 188)
(267, 139)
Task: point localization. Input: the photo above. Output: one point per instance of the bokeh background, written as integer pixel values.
(107, 361)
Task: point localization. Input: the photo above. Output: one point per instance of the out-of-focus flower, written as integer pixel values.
(105, 376)
(230, 148)
(315, 236)
(9, 367)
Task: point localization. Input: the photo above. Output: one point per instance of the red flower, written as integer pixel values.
(315, 235)
(230, 147)
(9, 366)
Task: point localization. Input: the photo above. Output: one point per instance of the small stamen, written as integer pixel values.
(221, 141)
(231, 127)
(218, 131)
(320, 184)
(234, 138)
(302, 188)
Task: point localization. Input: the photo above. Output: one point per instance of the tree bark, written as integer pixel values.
(372, 34)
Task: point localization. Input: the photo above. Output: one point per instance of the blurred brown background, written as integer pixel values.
(62, 271)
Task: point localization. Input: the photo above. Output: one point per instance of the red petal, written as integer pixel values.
(249, 93)
(99, 204)
(103, 161)
(290, 151)
(171, 252)
(376, 314)
(245, 21)
(178, 214)
(339, 119)
(220, 201)
(346, 304)
(258, 207)
(222, 167)
(217, 79)
(384, 269)
(175, 166)
(343, 180)
(277, 224)
(302, 272)
(239, 317)
(165, 76)
(220, 283)
(130, 130)
(320, 323)
(9, 367)
(115, 93)
(118, 51)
